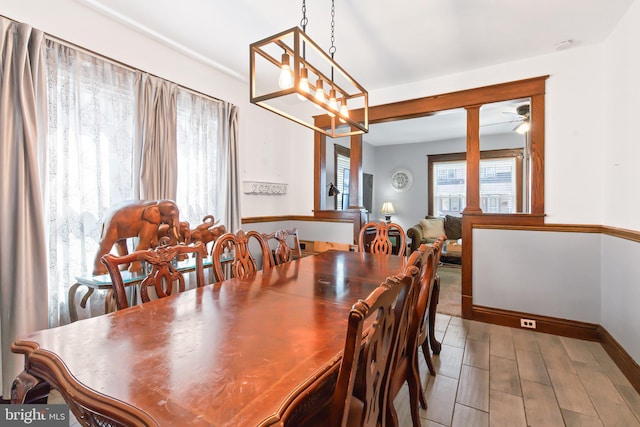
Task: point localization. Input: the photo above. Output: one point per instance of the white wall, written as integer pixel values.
(271, 148)
(621, 204)
(621, 149)
(573, 120)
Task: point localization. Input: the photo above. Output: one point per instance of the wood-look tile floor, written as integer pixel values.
(489, 375)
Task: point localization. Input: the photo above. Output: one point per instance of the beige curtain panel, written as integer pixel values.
(156, 137)
(23, 269)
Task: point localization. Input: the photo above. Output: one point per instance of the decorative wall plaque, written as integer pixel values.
(268, 188)
(401, 179)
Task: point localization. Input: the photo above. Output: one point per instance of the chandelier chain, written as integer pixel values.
(332, 49)
(304, 21)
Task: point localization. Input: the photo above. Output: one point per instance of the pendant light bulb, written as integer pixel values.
(333, 106)
(319, 92)
(343, 110)
(304, 83)
(286, 75)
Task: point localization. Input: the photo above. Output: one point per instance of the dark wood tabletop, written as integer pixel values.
(236, 353)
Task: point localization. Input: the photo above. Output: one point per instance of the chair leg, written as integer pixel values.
(433, 306)
(416, 393)
(427, 358)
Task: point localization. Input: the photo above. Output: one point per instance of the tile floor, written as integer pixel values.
(490, 375)
(499, 376)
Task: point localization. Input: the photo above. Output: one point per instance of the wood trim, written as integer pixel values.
(420, 107)
(546, 324)
(625, 362)
(259, 219)
(621, 233)
(566, 228)
(473, 220)
(473, 160)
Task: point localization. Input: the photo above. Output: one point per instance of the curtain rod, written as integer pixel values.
(115, 61)
(124, 65)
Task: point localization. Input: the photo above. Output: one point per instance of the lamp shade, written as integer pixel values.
(387, 208)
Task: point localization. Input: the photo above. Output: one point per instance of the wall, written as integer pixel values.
(549, 273)
(271, 148)
(411, 205)
(573, 119)
(621, 204)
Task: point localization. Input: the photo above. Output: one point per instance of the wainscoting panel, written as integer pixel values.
(550, 273)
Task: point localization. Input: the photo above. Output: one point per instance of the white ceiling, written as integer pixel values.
(379, 42)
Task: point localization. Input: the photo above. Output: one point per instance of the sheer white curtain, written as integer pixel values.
(90, 162)
(23, 273)
(207, 160)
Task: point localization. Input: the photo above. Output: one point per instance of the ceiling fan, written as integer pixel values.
(521, 114)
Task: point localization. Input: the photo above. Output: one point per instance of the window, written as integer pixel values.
(90, 160)
(343, 165)
(500, 182)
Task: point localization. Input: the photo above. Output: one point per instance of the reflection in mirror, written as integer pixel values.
(505, 154)
(337, 173)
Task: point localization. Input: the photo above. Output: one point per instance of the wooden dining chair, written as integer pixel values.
(404, 367)
(237, 246)
(438, 246)
(164, 276)
(375, 238)
(361, 389)
(286, 245)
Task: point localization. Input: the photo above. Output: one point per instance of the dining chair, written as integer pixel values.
(164, 276)
(237, 246)
(361, 390)
(375, 238)
(438, 246)
(404, 367)
(286, 245)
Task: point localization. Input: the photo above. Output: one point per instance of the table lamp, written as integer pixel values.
(387, 210)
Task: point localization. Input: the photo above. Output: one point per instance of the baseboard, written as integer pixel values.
(566, 328)
(549, 325)
(625, 362)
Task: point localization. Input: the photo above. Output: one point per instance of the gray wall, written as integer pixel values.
(412, 204)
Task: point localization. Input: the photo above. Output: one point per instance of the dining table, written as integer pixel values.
(255, 351)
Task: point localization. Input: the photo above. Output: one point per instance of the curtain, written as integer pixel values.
(156, 138)
(23, 270)
(198, 154)
(230, 179)
(91, 107)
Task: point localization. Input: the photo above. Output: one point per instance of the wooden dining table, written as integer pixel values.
(256, 351)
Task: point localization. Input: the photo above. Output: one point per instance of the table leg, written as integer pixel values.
(433, 305)
(28, 389)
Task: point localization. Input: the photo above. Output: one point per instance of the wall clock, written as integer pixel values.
(401, 179)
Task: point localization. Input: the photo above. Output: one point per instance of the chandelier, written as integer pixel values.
(293, 77)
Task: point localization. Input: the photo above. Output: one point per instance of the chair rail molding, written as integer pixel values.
(268, 188)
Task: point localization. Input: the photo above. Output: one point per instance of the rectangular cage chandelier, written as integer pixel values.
(293, 77)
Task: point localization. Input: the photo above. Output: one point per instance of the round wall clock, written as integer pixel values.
(401, 179)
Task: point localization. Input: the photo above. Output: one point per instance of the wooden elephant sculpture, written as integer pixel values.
(138, 218)
(184, 233)
(208, 231)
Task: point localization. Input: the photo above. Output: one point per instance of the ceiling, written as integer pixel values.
(380, 43)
